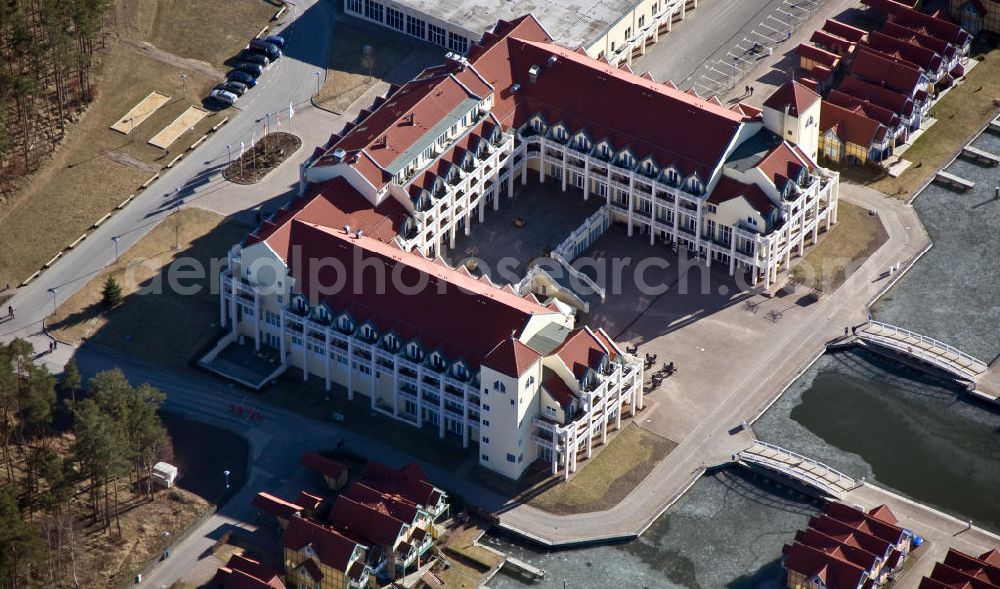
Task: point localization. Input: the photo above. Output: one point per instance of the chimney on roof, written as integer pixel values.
(360, 234)
(347, 229)
(533, 72)
(552, 60)
(514, 88)
(338, 154)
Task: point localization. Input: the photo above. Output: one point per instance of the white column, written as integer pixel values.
(305, 351)
(440, 405)
(637, 388)
(420, 398)
(590, 429)
(586, 177)
(465, 417)
(732, 252)
(281, 340)
(555, 453)
(232, 304)
(482, 201)
(565, 170)
(328, 361)
(566, 458)
(697, 228)
(767, 264)
(468, 222)
(256, 320)
(395, 387)
(815, 237)
(222, 301)
(350, 369)
(524, 168)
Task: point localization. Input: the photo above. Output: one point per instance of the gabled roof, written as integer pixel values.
(395, 505)
(404, 291)
(511, 358)
(833, 571)
(870, 110)
(558, 389)
(334, 203)
(972, 566)
(318, 463)
(853, 554)
(409, 482)
(851, 125)
(581, 351)
(729, 189)
(850, 535)
(910, 17)
(331, 547)
(907, 35)
(308, 501)
(947, 577)
(838, 45)
(860, 520)
(914, 54)
(822, 56)
(884, 97)
(242, 572)
(845, 31)
(783, 162)
(276, 506)
(357, 520)
(794, 95)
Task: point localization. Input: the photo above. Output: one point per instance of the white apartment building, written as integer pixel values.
(346, 283)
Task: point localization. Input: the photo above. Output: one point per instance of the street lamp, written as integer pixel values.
(317, 83)
(54, 292)
(115, 239)
(225, 473)
(184, 85)
(131, 133)
(229, 152)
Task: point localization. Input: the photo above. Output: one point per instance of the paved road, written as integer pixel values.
(195, 178)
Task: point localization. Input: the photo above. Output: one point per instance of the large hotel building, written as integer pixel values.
(347, 283)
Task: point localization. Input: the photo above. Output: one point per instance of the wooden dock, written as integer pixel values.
(980, 155)
(995, 125)
(954, 181)
(522, 568)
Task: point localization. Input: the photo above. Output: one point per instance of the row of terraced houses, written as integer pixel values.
(346, 283)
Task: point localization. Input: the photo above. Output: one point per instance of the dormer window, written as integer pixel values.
(672, 176)
(626, 160)
(695, 186)
(414, 352)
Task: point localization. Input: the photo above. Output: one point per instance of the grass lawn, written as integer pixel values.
(348, 75)
(96, 167)
(469, 562)
(856, 236)
(168, 328)
(959, 114)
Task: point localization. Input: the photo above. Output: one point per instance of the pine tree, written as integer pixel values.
(112, 294)
(22, 550)
(71, 380)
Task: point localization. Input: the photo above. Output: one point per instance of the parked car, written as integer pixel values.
(243, 78)
(222, 96)
(269, 49)
(251, 57)
(276, 40)
(254, 69)
(233, 87)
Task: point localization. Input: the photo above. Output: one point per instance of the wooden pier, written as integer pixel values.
(954, 181)
(980, 155)
(995, 125)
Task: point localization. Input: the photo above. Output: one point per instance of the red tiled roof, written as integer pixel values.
(851, 125)
(747, 110)
(838, 45)
(991, 558)
(972, 566)
(914, 54)
(559, 390)
(728, 189)
(884, 514)
(581, 350)
(318, 463)
(849, 535)
(783, 162)
(794, 95)
(877, 68)
(358, 520)
(884, 97)
(276, 506)
(835, 572)
(395, 505)
(854, 554)
(907, 35)
(679, 115)
(845, 31)
(409, 482)
(511, 357)
(946, 577)
(822, 56)
(909, 17)
(245, 573)
(308, 501)
(870, 110)
(860, 520)
(404, 292)
(334, 203)
(331, 547)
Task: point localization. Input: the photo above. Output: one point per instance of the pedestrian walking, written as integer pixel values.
(746, 90)
(845, 331)
(751, 90)
(10, 311)
(854, 329)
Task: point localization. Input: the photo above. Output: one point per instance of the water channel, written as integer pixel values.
(859, 412)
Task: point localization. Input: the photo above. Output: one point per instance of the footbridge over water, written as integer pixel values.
(923, 348)
(800, 469)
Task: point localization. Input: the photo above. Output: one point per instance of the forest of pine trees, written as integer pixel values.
(50, 493)
(46, 53)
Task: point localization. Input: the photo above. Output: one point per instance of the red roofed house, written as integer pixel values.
(242, 572)
(278, 507)
(319, 556)
(961, 571)
(848, 136)
(907, 16)
(410, 483)
(334, 473)
(345, 282)
(392, 545)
